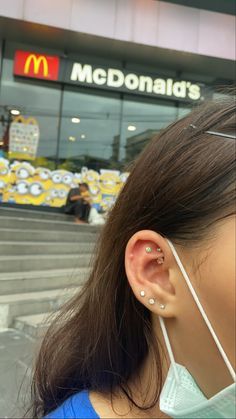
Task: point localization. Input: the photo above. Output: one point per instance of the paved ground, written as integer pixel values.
(16, 354)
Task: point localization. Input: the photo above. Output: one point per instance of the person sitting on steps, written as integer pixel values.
(78, 203)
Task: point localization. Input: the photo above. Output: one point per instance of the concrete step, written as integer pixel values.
(44, 248)
(43, 262)
(23, 304)
(30, 281)
(34, 325)
(27, 213)
(11, 234)
(42, 224)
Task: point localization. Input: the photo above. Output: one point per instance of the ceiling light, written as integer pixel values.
(83, 136)
(132, 128)
(75, 120)
(15, 112)
(71, 138)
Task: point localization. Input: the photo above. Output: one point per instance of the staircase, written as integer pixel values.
(44, 259)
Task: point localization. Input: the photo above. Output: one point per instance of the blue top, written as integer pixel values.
(77, 406)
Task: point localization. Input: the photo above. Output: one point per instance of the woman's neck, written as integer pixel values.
(142, 388)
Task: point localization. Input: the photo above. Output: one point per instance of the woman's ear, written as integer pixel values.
(150, 269)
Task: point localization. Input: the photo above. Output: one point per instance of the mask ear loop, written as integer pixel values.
(196, 299)
(169, 349)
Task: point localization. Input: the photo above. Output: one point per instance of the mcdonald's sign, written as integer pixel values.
(34, 65)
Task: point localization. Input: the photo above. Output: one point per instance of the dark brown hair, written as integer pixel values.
(85, 185)
(181, 184)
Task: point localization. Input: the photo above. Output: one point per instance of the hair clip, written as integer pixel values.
(218, 134)
(221, 134)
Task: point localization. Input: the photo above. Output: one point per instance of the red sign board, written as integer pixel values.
(37, 66)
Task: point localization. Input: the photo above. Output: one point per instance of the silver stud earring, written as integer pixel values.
(148, 249)
(160, 260)
(162, 306)
(158, 249)
(151, 301)
(142, 293)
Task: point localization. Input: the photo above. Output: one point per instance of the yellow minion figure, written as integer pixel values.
(62, 180)
(76, 180)
(96, 196)
(21, 171)
(22, 195)
(91, 177)
(43, 176)
(67, 179)
(56, 197)
(37, 193)
(110, 185)
(110, 182)
(4, 176)
(9, 194)
(20, 178)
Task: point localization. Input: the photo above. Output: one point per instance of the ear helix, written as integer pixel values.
(160, 261)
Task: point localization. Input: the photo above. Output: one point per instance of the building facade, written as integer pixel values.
(84, 86)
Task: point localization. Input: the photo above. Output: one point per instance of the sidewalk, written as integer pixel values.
(16, 354)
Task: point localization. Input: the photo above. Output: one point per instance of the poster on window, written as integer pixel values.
(23, 138)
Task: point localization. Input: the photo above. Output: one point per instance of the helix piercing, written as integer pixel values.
(148, 249)
(142, 293)
(158, 249)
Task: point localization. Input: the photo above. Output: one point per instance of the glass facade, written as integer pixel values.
(90, 124)
(79, 127)
(39, 100)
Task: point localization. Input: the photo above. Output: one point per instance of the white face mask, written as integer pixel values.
(181, 397)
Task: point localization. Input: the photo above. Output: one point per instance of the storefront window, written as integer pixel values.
(32, 99)
(142, 119)
(89, 128)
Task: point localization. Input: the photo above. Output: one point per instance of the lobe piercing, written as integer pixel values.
(148, 249)
(151, 301)
(162, 306)
(142, 293)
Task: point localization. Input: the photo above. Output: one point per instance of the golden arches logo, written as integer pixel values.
(37, 61)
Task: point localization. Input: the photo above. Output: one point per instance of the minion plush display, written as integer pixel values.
(44, 177)
(21, 183)
(91, 177)
(96, 196)
(110, 186)
(61, 184)
(20, 178)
